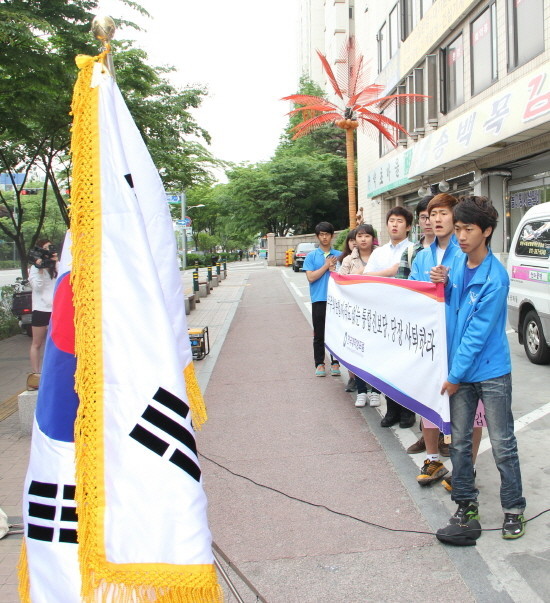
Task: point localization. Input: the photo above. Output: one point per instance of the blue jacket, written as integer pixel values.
(426, 259)
(477, 346)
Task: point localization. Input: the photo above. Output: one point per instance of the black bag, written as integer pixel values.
(21, 302)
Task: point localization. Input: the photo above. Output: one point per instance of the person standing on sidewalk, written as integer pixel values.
(384, 261)
(476, 291)
(365, 237)
(42, 282)
(442, 250)
(426, 239)
(317, 266)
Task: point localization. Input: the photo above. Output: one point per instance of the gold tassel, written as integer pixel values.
(194, 396)
(23, 575)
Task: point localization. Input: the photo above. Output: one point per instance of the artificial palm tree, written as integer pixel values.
(354, 109)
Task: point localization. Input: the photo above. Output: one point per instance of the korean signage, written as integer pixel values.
(514, 109)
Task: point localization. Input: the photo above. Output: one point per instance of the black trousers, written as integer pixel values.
(394, 409)
(318, 315)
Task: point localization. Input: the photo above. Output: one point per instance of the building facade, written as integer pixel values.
(484, 127)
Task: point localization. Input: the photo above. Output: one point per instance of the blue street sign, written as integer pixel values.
(180, 222)
(187, 221)
(173, 198)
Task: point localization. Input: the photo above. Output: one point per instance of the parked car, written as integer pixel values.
(302, 249)
(529, 271)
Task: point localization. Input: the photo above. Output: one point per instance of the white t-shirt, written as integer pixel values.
(386, 256)
(439, 253)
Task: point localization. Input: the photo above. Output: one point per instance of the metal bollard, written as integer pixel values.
(225, 264)
(196, 280)
(209, 274)
(218, 268)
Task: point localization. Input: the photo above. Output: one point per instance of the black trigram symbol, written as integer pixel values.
(171, 428)
(52, 512)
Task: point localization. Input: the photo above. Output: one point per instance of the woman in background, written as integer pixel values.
(354, 263)
(42, 282)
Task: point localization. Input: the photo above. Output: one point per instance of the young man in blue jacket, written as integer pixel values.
(441, 251)
(476, 289)
(318, 265)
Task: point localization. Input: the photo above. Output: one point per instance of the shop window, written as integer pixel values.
(525, 30)
(484, 49)
(394, 30)
(411, 13)
(453, 75)
(382, 42)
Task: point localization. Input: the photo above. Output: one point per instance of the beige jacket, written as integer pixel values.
(352, 264)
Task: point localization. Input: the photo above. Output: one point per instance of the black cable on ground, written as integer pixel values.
(363, 521)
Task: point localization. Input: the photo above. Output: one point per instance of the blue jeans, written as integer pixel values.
(497, 397)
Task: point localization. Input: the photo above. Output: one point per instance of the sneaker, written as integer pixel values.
(417, 447)
(513, 526)
(443, 448)
(361, 400)
(352, 385)
(320, 370)
(374, 399)
(447, 482)
(431, 472)
(463, 528)
(335, 369)
(466, 511)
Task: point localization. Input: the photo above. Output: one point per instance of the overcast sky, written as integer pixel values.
(244, 52)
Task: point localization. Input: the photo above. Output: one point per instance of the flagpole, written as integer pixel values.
(103, 28)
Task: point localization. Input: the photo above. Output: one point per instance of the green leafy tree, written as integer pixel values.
(39, 43)
(290, 194)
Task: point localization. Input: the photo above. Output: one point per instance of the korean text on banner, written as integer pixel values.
(391, 332)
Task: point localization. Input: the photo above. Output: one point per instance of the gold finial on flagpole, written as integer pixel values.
(103, 28)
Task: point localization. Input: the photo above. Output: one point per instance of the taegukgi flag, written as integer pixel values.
(391, 332)
(114, 506)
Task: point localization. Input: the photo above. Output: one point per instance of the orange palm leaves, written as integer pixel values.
(357, 100)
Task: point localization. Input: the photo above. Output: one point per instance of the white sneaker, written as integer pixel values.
(361, 400)
(374, 399)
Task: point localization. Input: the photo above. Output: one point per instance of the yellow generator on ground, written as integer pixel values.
(200, 342)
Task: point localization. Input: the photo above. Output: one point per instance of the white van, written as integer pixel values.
(529, 271)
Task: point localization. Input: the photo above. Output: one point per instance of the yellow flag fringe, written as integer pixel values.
(104, 581)
(194, 396)
(24, 586)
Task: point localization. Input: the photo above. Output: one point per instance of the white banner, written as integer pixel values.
(391, 332)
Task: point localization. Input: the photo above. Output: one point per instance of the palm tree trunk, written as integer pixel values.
(350, 160)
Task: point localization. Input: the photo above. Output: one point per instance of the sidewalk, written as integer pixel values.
(272, 421)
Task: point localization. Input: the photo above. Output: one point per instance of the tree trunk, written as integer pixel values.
(350, 160)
